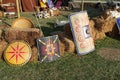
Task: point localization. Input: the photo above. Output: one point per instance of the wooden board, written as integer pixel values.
(48, 48)
(81, 32)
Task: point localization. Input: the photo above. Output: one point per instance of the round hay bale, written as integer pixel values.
(34, 56)
(3, 45)
(22, 23)
(110, 53)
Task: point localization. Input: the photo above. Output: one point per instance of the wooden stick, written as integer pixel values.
(18, 9)
(82, 5)
(20, 5)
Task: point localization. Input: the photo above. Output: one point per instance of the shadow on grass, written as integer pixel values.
(46, 30)
(117, 37)
(52, 25)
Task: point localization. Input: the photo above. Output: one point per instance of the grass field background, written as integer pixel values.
(70, 66)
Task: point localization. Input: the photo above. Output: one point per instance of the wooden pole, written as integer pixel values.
(20, 5)
(18, 8)
(82, 5)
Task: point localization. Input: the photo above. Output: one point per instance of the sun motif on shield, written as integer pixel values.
(17, 53)
(49, 49)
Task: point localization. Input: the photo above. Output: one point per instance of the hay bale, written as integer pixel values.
(69, 43)
(99, 35)
(109, 24)
(67, 30)
(105, 14)
(3, 45)
(106, 23)
(118, 9)
(98, 23)
(96, 32)
(34, 56)
(28, 35)
(62, 48)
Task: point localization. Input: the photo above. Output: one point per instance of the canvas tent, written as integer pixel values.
(25, 4)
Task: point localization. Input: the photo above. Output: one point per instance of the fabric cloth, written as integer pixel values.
(25, 4)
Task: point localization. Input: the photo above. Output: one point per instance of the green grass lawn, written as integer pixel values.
(70, 66)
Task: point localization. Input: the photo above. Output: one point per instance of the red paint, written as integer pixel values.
(78, 35)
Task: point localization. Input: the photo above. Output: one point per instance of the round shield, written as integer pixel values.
(22, 23)
(17, 53)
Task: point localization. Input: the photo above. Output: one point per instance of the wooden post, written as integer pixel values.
(18, 8)
(20, 5)
(82, 5)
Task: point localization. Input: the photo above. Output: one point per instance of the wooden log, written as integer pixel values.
(30, 35)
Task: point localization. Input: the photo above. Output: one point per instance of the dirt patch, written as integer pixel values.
(110, 53)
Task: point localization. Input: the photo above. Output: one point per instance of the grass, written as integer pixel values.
(70, 66)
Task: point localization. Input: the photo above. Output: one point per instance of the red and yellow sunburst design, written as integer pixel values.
(17, 53)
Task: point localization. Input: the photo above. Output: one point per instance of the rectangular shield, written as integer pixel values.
(118, 23)
(79, 23)
(48, 48)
